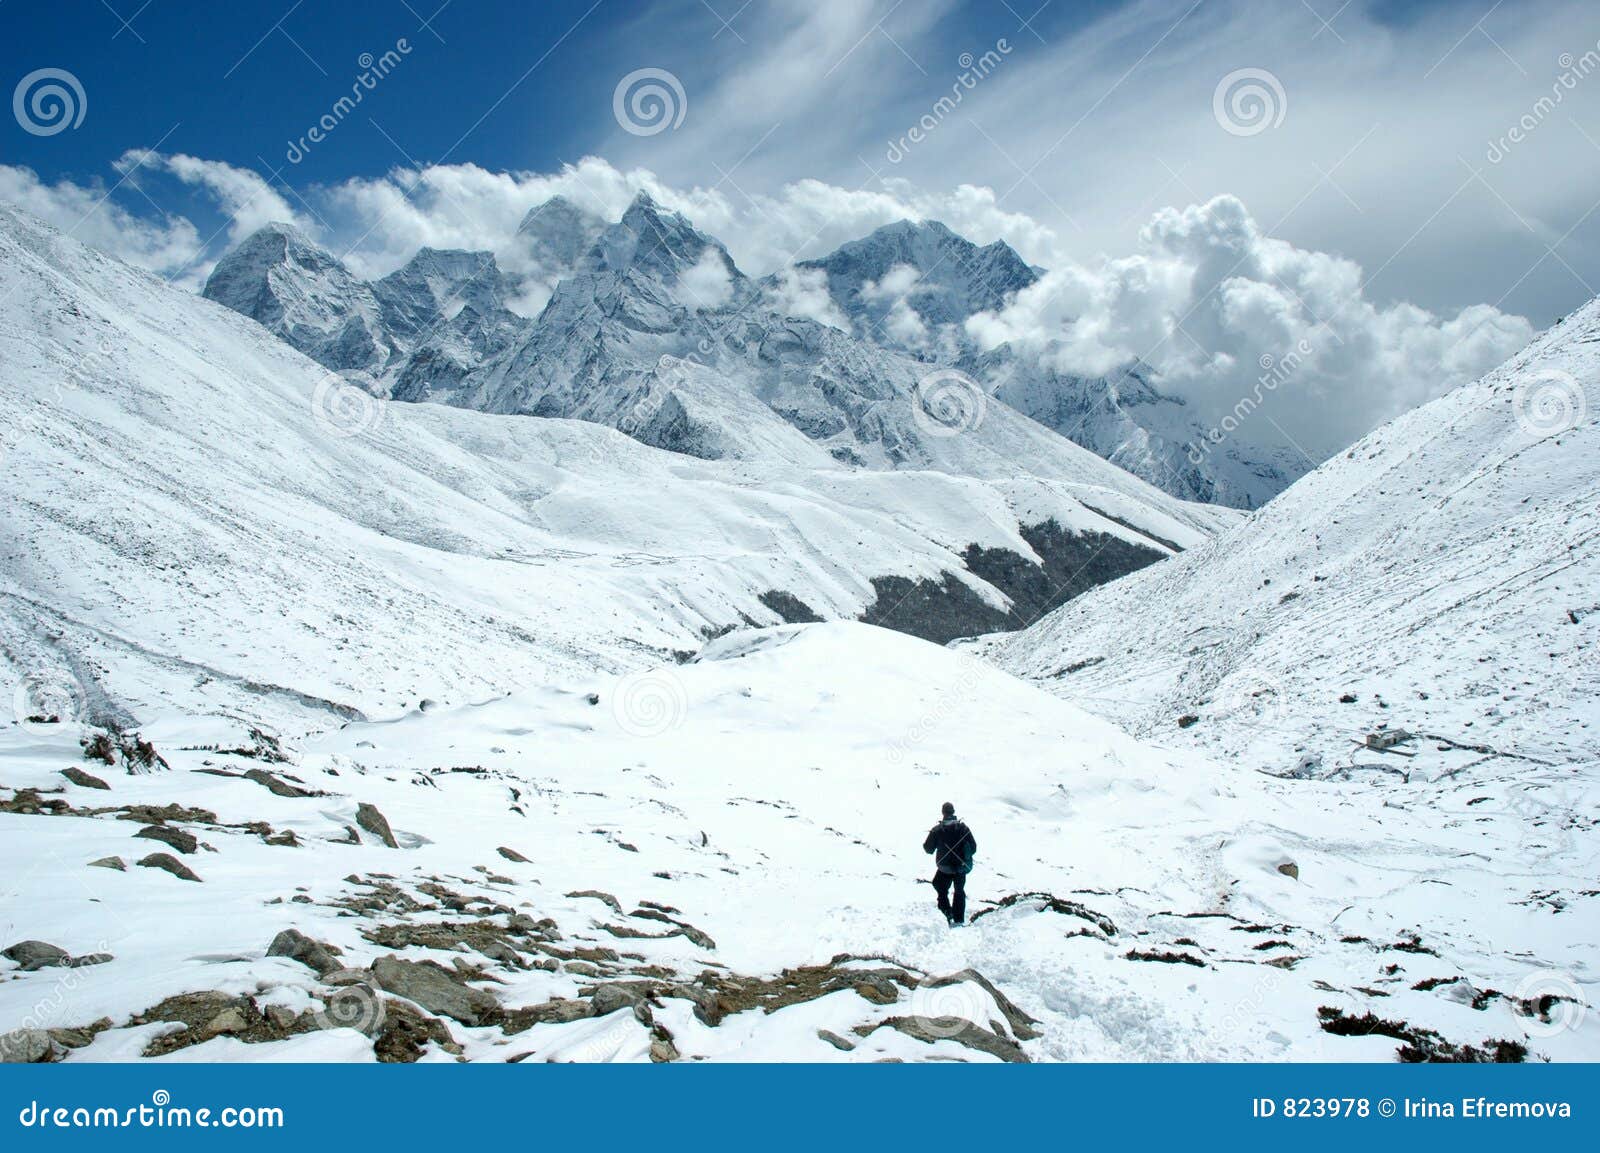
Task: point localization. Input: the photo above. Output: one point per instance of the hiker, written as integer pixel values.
(953, 846)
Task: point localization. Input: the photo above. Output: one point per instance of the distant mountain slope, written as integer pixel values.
(198, 513)
(942, 276)
(652, 328)
(1128, 420)
(1442, 576)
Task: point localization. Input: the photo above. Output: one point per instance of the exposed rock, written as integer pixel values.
(176, 838)
(295, 945)
(614, 995)
(86, 780)
(406, 1032)
(513, 855)
(1290, 869)
(836, 1041)
(164, 814)
(76, 1037)
(437, 989)
(374, 822)
(1055, 904)
(963, 1032)
(116, 863)
(28, 1047)
(31, 955)
(171, 864)
(209, 1014)
(663, 1047)
(597, 895)
(275, 784)
(557, 1010)
(1021, 1023)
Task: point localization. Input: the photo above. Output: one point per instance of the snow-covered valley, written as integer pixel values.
(489, 737)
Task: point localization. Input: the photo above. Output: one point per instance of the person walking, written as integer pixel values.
(953, 847)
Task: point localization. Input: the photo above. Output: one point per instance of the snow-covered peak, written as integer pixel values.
(924, 266)
(653, 243)
(558, 233)
(300, 291)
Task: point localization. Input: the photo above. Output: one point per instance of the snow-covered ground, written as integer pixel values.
(773, 796)
(579, 848)
(197, 513)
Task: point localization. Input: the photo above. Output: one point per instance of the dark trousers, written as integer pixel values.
(941, 883)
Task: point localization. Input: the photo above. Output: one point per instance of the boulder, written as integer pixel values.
(171, 864)
(116, 863)
(274, 784)
(85, 780)
(374, 822)
(557, 1010)
(437, 990)
(31, 955)
(176, 838)
(513, 855)
(27, 1047)
(295, 945)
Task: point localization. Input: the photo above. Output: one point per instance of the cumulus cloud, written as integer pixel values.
(803, 292)
(709, 283)
(1209, 302)
(241, 194)
(1205, 295)
(167, 246)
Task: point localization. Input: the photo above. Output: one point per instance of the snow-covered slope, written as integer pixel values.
(578, 847)
(197, 512)
(602, 869)
(1129, 421)
(1443, 574)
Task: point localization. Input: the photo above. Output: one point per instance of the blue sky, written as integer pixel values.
(1382, 177)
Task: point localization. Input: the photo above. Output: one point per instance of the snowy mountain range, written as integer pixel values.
(653, 329)
(461, 735)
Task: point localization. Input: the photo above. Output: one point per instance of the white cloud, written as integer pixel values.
(242, 195)
(168, 246)
(1208, 295)
(803, 292)
(708, 284)
(896, 284)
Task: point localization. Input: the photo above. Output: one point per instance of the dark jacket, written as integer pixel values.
(952, 844)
